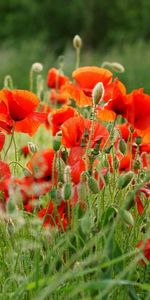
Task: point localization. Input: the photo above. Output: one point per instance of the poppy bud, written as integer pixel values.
(122, 146)
(93, 185)
(53, 194)
(67, 173)
(117, 67)
(77, 42)
(56, 143)
(32, 147)
(82, 191)
(124, 180)
(126, 216)
(37, 67)
(11, 207)
(129, 201)
(27, 172)
(138, 140)
(98, 93)
(67, 191)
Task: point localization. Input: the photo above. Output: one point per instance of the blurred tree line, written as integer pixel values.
(99, 22)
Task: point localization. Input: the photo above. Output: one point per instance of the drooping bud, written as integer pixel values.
(122, 146)
(126, 216)
(93, 185)
(118, 67)
(32, 147)
(115, 66)
(98, 93)
(125, 179)
(77, 42)
(37, 67)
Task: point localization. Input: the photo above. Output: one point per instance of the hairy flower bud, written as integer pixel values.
(98, 93)
(77, 42)
(126, 216)
(32, 147)
(93, 185)
(125, 179)
(122, 146)
(37, 67)
(67, 191)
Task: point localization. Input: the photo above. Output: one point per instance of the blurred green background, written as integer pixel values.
(112, 30)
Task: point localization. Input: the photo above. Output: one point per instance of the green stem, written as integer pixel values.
(90, 137)
(11, 140)
(77, 58)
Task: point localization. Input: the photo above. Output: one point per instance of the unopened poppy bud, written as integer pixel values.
(56, 143)
(124, 180)
(137, 164)
(122, 146)
(77, 42)
(82, 191)
(129, 201)
(117, 67)
(67, 174)
(37, 67)
(67, 191)
(32, 147)
(11, 207)
(53, 193)
(126, 216)
(138, 140)
(93, 185)
(98, 93)
(27, 172)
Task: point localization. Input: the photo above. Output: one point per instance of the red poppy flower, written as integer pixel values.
(41, 164)
(60, 116)
(55, 79)
(19, 106)
(125, 163)
(60, 97)
(5, 175)
(87, 77)
(77, 94)
(76, 130)
(2, 140)
(139, 113)
(25, 151)
(145, 248)
(57, 216)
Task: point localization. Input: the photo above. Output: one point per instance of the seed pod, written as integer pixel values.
(126, 216)
(125, 179)
(77, 42)
(138, 140)
(122, 146)
(56, 143)
(93, 185)
(98, 93)
(67, 191)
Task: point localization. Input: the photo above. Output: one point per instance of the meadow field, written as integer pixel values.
(74, 172)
